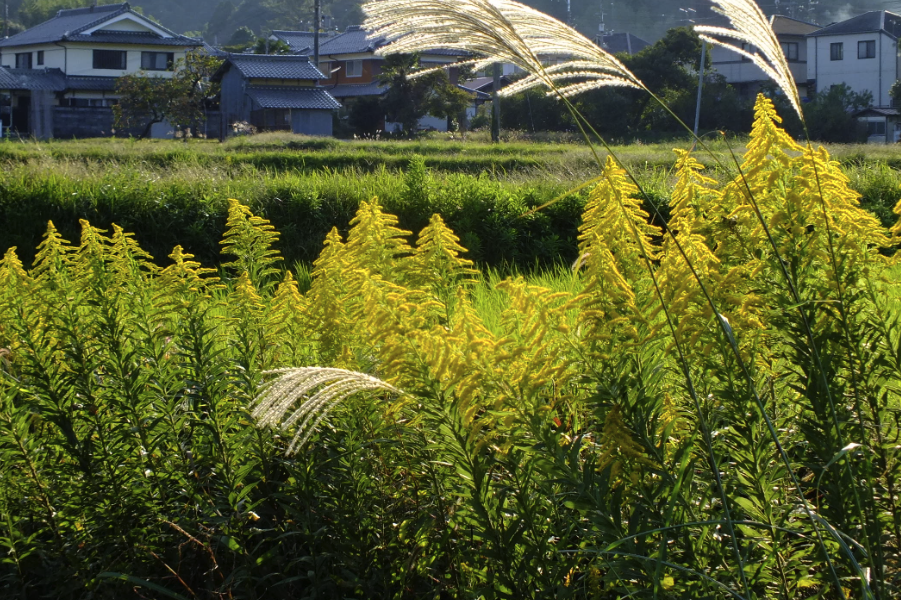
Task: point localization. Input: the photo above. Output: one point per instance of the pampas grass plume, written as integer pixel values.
(317, 389)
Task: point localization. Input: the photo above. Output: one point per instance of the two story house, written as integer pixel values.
(59, 77)
(747, 77)
(351, 67)
(275, 93)
(861, 52)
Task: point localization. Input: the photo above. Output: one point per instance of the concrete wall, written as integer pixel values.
(861, 74)
(69, 122)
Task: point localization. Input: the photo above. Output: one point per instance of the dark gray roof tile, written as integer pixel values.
(268, 66)
(868, 22)
(8, 81)
(99, 84)
(133, 37)
(72, 23)
(354, 40)
(314, 98)
(301, 42)
(49, 80)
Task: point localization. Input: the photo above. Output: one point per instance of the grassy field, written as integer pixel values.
(169, 192)
(709, 412)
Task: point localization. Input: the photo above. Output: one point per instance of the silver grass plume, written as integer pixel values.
(751, 26)
(277, 397)
(499, 31)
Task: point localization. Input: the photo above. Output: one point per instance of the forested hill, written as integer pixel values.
(217, 20)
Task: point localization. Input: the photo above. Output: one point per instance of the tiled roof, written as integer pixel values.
(49, 80)
(877, 20)
(269, 66)
(301, 42)
(312, 98)
(71, 24)
(476, 94)
(354, 40)
(133, 37)
(879, 111)
(353, 90)
(99, 84)
(614, 43)
(8, 81)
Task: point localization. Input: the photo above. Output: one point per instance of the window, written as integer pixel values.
(749, 48)
(836, 51)
(326, 68)
(23, 60)
(866, 49)
(157, 61)
(40, 58)
(790, 50)
(353, 68)
(110, 59)
(875, 127)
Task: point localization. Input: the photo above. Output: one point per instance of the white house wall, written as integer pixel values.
(861, 74)
(736, 69)
(78, 59)
(81, 60)
(54, 56)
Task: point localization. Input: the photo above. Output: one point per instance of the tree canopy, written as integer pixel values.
(148, 99)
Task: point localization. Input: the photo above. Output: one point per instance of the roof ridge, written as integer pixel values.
(85, 10)
(123, 8)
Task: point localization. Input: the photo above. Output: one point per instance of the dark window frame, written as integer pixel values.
(868, 47)
(40, 58)
(876, 128)
(787, 48)
(23, 60)
(112, 60)
(149, 57)
(837, 51)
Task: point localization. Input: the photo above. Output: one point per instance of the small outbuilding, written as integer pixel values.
(274, 93)
(883, 124)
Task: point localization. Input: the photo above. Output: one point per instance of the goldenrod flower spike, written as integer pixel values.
(751, 26)
(499, 31)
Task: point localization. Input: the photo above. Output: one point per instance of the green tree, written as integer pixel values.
(148, 99)
(32, 12)
(267, 46)
(830, 115)
(408, 99)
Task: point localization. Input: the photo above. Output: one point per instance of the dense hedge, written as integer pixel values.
(191, 211)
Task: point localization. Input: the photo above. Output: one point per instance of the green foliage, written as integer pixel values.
(581, 433)
(409, 99)
(830, 114)
(180, 99)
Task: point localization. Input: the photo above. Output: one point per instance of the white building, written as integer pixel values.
(861, 52)
(747, 77)
(61, 74)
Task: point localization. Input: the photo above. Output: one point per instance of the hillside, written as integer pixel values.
(217, 20)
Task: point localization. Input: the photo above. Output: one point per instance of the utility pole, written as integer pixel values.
(5, 18)
(317, 18)
(700, 85)
(496, 105)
